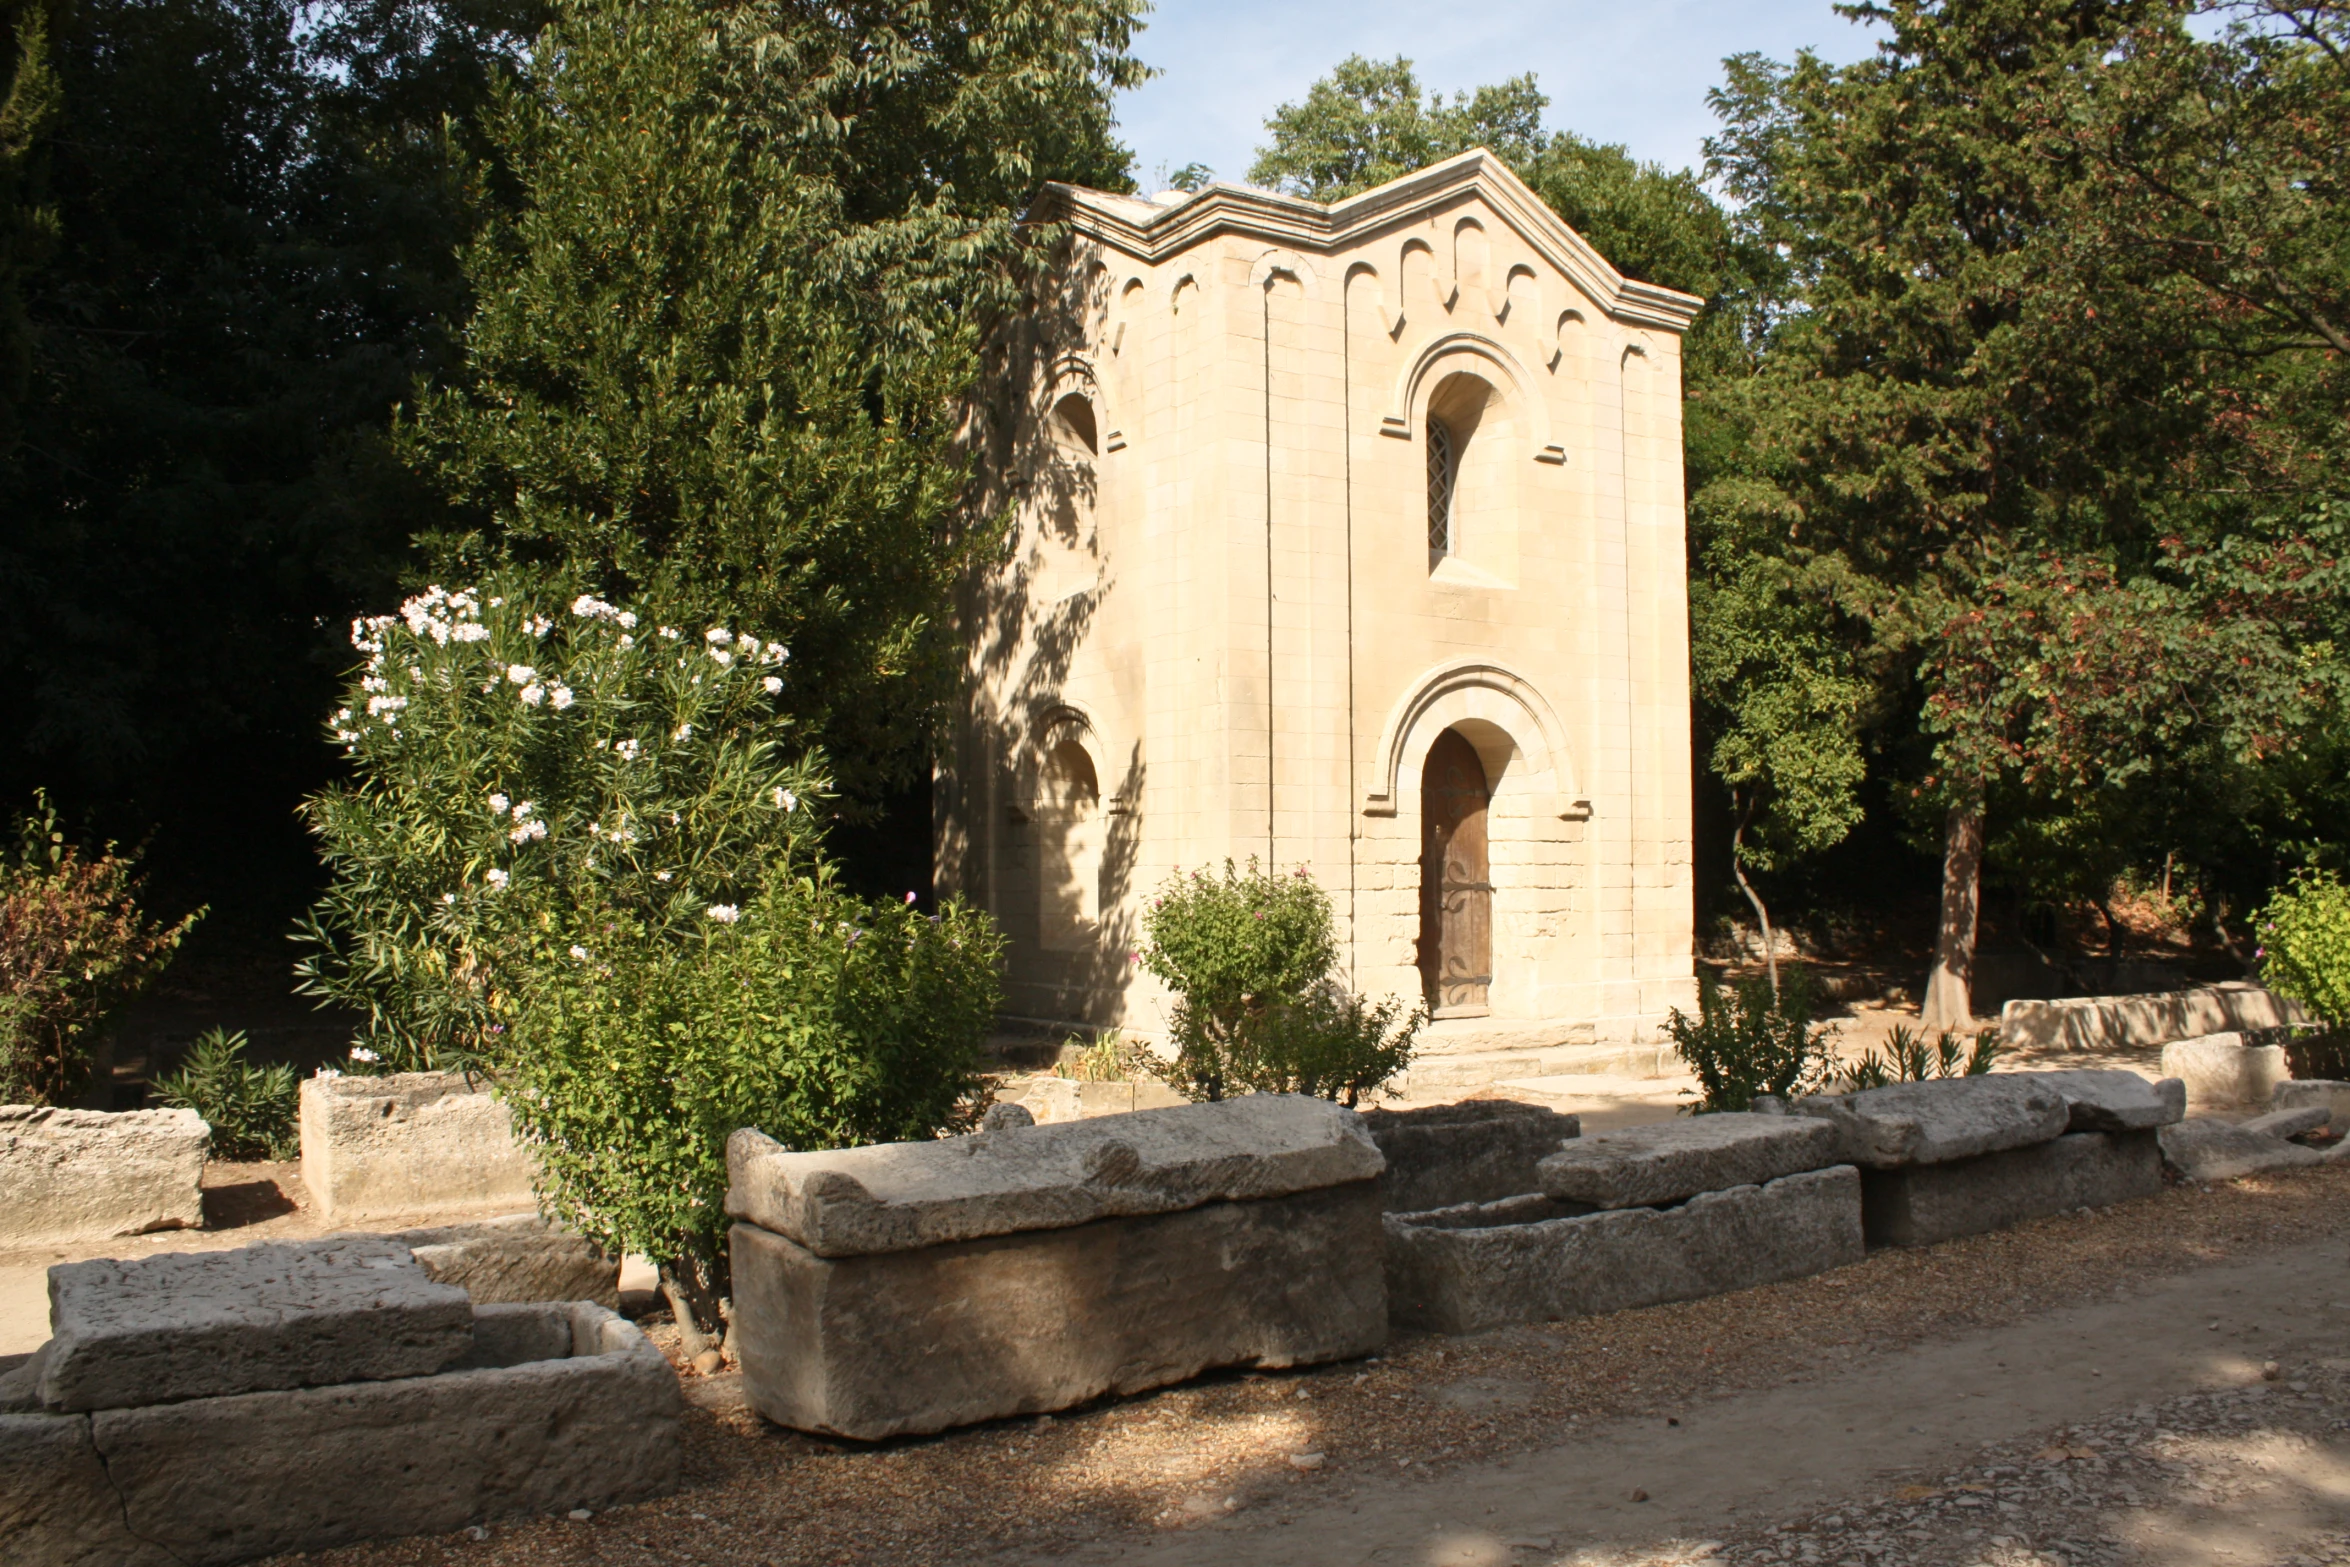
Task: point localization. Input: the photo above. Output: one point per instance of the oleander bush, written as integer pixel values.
(1908, 1057)
(1744, 1041)
(74, 946)
(254, 1111)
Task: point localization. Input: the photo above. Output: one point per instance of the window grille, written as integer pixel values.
(1441, 459)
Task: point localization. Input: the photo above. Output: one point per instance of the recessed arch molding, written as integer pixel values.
(1477, 691)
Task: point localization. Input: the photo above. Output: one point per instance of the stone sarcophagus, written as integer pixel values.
(909, 1287)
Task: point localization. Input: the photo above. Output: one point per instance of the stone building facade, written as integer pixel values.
(1350, 537)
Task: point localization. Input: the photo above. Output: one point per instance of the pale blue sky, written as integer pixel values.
(1631, 71)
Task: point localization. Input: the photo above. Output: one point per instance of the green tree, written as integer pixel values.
(723, 349)
(28, 102)
(1366, 123)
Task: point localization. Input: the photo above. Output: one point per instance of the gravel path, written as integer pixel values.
(1428, 1453)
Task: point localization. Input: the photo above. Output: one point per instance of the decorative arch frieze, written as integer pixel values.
(1285, 263)
(1446, 353)
(1073, 372)
(1476, 691)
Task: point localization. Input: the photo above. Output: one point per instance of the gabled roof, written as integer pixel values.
(1153, 232)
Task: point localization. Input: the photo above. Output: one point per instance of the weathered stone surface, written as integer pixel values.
(1461, 1270)
(221, 1480)
(56, 1507)
(2126, 1022)
(2116, 1101)
(1919, 1204)
(203, 1324)
(1640, 1166)
(1942, 1119)
(2305, 1093)
(83, 1175)
(2222, 1072)
(2203, 1149)
(516, 1258)
(900, 1196)
(413, 1143)
(916, 1341)
(1474, 1151)
(2289, 1124)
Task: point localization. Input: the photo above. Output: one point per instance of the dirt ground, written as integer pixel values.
(2087, 1389)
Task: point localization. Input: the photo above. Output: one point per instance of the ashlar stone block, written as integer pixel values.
(2116, 1101)
(1942, 1119)
(874, 1345)
(1479, 1150)
(1534, 1259)
(410, 1144)
(82, 1175)
(153, 1330)
(2221, 1071)
(1919, 1204)
(1642, 1166)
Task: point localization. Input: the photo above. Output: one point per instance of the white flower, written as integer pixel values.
(590, 607)
(538, 625)
(684, 732)
(628, 750)
(496, 878)
(521, 674)
(668, 633)
(527, 832)
(448, 897)
(532, 696)
(627, 623)
(661, 876)
(718, 636)
(724, 657)
(498, 804)
(560, 698)
(378, 706)
(522, 811)
(747, 645)
(579, 952)
(326, 1071)
(342, 715)
(626, 640)
(497, 603)
(362, 1053)
(773, 684)
(375, 683)
(724, 913)
(776, 653)
(785, 800)
(470, 631)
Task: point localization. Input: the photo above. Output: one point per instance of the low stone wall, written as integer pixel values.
(1463, 1270)
(2134, 1022)
(218, 1407)
(1480, 1150)
(413, 1143)
(70, 1176)
(910, 1287)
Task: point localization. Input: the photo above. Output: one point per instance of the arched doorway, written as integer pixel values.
(1456, 891)
(1069, 849)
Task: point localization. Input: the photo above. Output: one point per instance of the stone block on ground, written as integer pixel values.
(869, 1346)
(2135, 1022)
(894, 1197)
(2116, 1101)
(1463, 1270)
(2205, 1149)
(1941, 1119)
(410, 1144)
(516, 1258)
(1478, 1150)
(2308, 1093)
(2222, 1072)
(1917, 1205)
(56, 1506)
(151, 1330)
(2289, 1124)
(221, 1480)
(82, 1175)
(1641, 1166)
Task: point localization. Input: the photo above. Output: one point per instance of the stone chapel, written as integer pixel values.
(1350, 537)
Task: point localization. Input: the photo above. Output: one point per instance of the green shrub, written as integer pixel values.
(2305, 946)
(1743, 1042)
(822, 1019)
(1251, 957)
(73, 947)
(253, 1110)
(1908, 1058)
(1113, 1058)
(518, 748)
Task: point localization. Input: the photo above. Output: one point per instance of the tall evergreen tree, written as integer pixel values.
(723, 350)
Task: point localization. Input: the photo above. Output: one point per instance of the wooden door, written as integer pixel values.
(1456, 895)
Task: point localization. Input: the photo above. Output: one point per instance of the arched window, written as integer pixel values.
(1073, 427)
(1443, 471)
(1069, 849)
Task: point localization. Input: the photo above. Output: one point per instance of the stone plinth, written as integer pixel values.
(2115, 1101)
(83, 1175)
(1644, 1166)
(2130, 1022)
(2221, 1072)
(1479, 1150)
(410, 1144)
(910, 1287)
(1462, 1270)
(154, 1330)
(587, 1417)
(1942, 1119)
(1916, 1205)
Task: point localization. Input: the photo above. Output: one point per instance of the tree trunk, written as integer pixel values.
(696, 1299)
(1949, 998)
(1762, 915)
